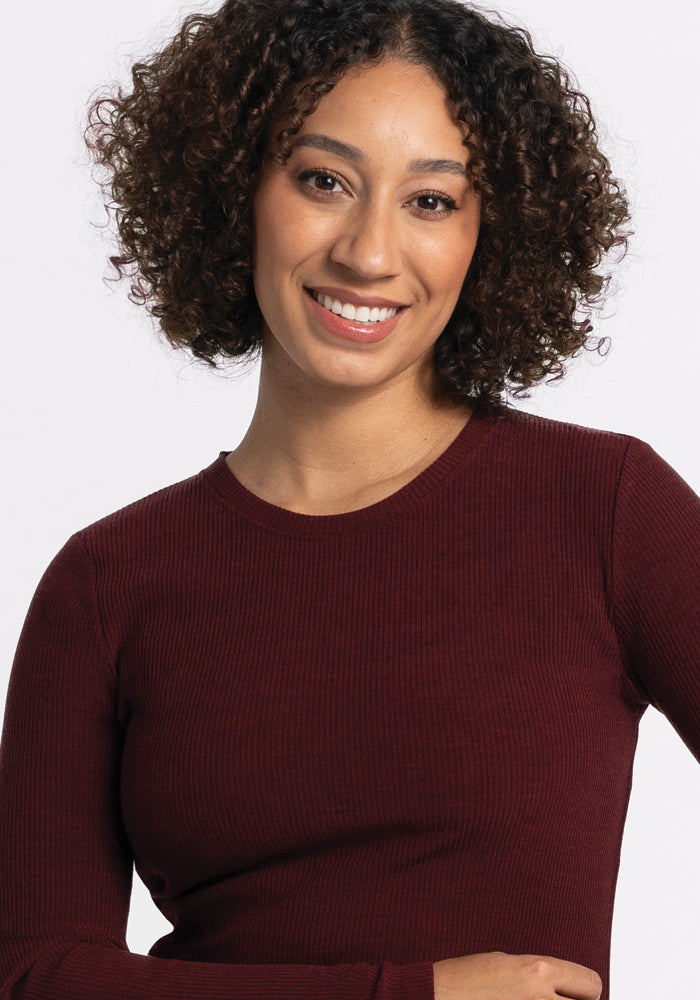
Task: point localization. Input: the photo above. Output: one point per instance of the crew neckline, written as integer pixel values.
(242, 501)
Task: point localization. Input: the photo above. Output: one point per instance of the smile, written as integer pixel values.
(356, 314)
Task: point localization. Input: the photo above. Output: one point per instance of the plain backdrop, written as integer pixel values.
(97, 412)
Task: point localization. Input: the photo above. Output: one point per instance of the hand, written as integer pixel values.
(497, 976)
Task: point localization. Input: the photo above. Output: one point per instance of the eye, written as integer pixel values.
(323, 181)
(434, 203)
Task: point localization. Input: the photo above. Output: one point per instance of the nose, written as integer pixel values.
(367, 241)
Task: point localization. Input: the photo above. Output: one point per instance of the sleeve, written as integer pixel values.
(65, 863)
(656, 587)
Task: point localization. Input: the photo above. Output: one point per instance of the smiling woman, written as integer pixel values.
(364, 227)
(550, 207)
(359, 260)
(360, 699)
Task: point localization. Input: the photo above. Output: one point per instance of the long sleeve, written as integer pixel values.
(656, 587)
(65, 861)
(340, 748)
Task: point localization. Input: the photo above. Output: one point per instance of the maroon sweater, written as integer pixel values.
(339, 748)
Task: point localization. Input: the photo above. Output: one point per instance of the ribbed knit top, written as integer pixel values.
(340, 748)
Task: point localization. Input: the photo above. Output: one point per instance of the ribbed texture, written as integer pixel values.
(341, 748)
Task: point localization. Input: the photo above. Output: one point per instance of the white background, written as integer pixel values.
(96, 412)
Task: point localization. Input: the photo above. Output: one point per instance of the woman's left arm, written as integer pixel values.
(656, 587)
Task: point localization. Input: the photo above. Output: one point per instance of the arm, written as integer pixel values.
(65, 862)
(656, 588)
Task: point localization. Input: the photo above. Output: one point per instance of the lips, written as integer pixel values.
(364, 321)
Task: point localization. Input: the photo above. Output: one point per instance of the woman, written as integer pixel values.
(351, 697)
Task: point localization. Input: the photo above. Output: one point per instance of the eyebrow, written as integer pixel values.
(315, 140)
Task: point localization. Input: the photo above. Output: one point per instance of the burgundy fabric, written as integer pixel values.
(339, 748)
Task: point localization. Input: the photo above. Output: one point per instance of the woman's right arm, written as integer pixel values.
(65, 861)
(66, 864)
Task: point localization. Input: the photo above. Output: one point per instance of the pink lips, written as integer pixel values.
(366, 333)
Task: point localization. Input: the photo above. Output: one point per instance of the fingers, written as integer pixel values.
(569, 980)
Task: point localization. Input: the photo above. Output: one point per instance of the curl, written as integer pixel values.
(182, 150)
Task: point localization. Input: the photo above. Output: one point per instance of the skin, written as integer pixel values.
(497, 976)
(341, 423)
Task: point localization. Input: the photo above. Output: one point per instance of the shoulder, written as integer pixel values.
(167, 516)
(619, 470)
(549, 435)
(115, 571)
(547, 448)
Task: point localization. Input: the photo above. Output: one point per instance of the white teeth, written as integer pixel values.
(358, 314)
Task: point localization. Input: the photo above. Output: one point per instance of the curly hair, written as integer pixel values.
(183, 150)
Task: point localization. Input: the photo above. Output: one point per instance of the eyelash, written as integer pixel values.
(450, 204)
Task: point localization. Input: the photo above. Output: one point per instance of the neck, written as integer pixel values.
(329, 450)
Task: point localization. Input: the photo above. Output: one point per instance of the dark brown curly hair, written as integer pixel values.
(184, 147)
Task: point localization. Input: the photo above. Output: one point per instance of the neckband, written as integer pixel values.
(421, 488)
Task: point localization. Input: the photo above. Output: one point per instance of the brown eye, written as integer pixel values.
(324, 182)
(321, 180)
(429, 202)
(433, 203)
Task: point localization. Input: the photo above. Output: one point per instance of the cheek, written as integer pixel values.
(268, 238)
(447, 246)
(457, 264)
(286, 227)
(444, 265)
(285, 239)
(270, 221)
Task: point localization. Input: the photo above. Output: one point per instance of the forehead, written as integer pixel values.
(394, 102)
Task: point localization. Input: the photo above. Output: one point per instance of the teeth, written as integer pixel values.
(358, 314)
